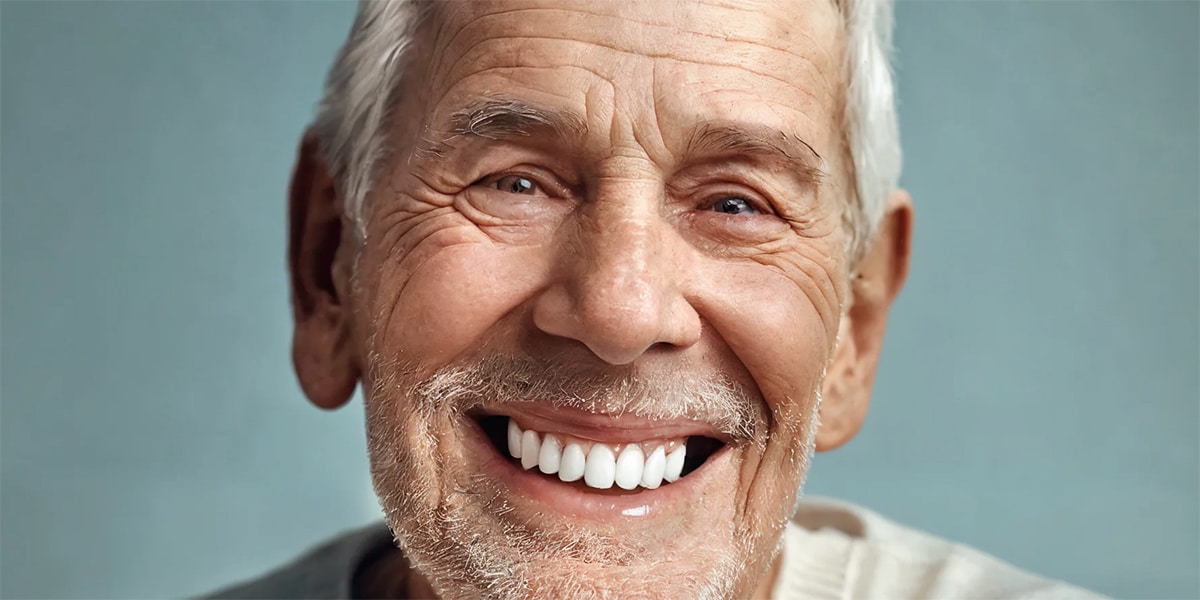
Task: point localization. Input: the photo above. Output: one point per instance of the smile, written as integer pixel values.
(577, 451)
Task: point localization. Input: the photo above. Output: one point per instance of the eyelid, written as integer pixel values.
(764, 190)
(756, 201)
(545, 180)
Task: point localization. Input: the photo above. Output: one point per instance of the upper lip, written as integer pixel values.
(598, 427)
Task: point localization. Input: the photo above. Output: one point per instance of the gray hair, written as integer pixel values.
(355, 113)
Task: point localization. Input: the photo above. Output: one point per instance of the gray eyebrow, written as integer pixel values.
(496, 118)
(761, 141)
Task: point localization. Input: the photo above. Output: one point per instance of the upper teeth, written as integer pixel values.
(598, 464)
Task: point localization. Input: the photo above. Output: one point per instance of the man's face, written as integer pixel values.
(619, 224)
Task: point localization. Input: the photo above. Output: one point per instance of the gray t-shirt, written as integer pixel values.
(324, 573)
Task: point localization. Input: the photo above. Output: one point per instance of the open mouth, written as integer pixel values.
(597, 465)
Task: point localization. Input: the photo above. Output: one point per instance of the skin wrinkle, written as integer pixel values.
(756, 474)
(400, 246)
(656, 106)
(467, 26)
(501, 70)
(666, 24)
(416, 269)
(398, 295)
(440, 186)
(830, 305)
(650, 140)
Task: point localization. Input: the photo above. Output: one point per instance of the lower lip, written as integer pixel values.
(569, 500)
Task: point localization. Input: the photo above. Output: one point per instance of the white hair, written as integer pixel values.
(354, 117)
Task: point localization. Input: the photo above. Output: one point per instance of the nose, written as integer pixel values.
(619, 289)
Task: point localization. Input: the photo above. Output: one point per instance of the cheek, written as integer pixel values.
(775, 321)
(442, 299)
(777, 330)
(778, 327)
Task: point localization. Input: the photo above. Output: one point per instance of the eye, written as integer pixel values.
(524, 195)
(517, 184)
(734, 206)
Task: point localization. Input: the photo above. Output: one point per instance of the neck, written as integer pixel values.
(767, 584)
(390, 576)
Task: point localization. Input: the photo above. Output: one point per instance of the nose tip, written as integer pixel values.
(620, 293)
(621, 323)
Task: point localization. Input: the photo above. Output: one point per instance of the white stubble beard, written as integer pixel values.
(458, 538)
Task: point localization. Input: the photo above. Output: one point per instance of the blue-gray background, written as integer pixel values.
(1038, 396)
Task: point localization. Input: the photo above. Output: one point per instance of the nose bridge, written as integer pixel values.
(619, 291)
(621, 270)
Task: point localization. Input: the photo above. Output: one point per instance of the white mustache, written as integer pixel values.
(711, 398)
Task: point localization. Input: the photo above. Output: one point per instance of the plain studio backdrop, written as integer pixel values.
(1038, 393)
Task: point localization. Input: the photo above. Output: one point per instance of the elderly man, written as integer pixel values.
(609, 273)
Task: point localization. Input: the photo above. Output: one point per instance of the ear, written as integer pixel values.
(322, 349)
(874, 285)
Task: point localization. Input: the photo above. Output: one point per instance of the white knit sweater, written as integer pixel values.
(834, 550)
(830, 550)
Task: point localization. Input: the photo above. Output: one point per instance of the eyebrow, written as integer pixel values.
(496, 118)
(760, 141)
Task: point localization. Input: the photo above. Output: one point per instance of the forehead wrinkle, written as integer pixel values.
(493, 59)
(468, 34)
(659, 27)
(478, 50)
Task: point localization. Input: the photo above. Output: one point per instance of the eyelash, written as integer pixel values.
(758, 206)
(551, 189)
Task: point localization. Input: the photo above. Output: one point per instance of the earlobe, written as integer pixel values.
(876, 282)
(322, 344)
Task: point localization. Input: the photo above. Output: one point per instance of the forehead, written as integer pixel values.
(774, 63)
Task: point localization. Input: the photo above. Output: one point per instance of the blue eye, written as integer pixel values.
(516, 184)
(734, 206)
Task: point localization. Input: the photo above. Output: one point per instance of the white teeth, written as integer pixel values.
(514, 439)
(530, 447)
(597, 464)
(652, 474)
(549, 457)
(573, 463)
(629, 467)
(674, 466)
(601, 467)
